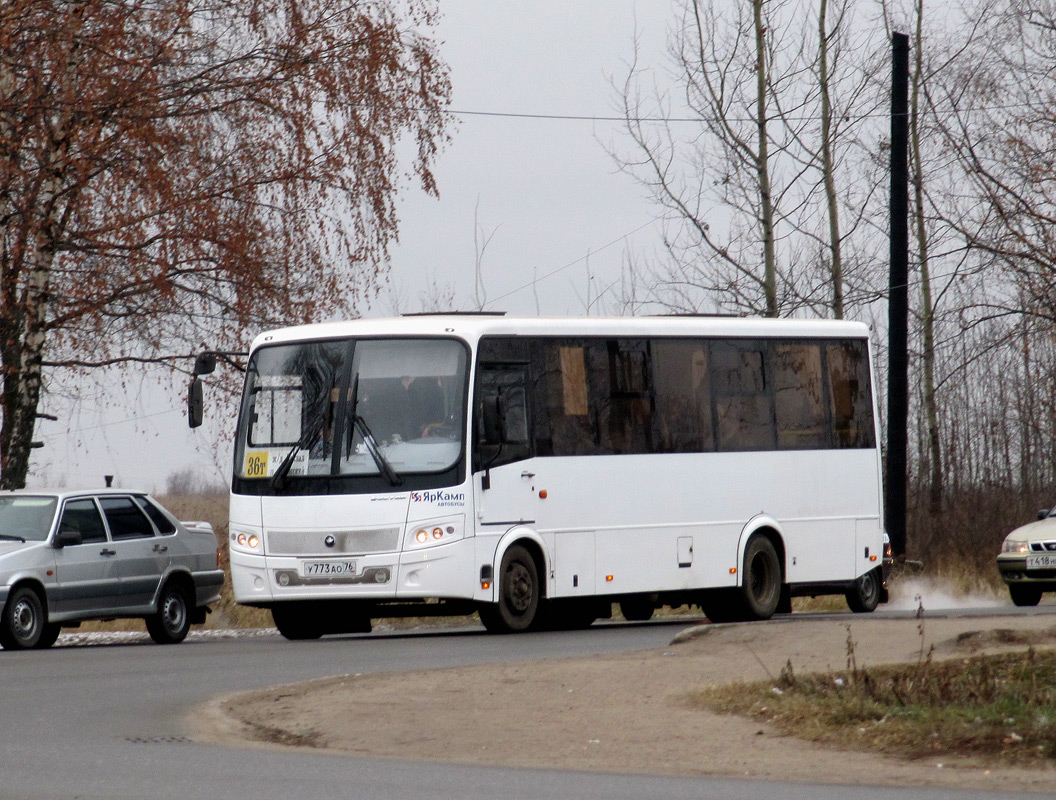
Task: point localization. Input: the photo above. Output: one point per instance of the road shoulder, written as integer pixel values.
(625, 713)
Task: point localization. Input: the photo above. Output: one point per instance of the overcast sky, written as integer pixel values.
(559, 214)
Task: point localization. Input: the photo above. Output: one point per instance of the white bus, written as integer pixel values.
(539, 471)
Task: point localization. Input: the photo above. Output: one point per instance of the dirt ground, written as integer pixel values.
(623, 713)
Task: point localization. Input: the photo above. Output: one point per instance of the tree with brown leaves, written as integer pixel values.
(174, 171)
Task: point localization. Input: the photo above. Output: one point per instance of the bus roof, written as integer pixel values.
(473, 326)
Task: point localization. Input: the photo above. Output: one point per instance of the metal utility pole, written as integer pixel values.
(898, 298)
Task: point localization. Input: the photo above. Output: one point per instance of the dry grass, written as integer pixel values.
(992, 709)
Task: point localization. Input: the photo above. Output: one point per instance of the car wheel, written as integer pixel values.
(22, 622)
(1024, 595)
(519, 594)
(48, 636)
(173, 619)
(864, 596)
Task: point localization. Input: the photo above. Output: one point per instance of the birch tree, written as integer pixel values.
(174, 171)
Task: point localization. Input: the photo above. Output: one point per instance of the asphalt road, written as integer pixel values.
(108, 721)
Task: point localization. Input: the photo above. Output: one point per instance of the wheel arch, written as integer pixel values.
(181, 577)
(34, 583)
(531, 541)
(769, 528)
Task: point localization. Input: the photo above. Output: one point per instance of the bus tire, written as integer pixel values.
(565, 615)
(519, 594)
(864, 596)
(720, 605)
(760, 590)
(296, 624)
(637, 609)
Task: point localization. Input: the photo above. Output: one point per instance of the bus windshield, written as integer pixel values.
(353, 407)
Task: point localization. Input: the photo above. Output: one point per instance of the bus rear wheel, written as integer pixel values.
(760, 590)
(519, 594)
(864, 596)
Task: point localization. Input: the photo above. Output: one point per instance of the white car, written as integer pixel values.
(1027, 560)
(68, 556)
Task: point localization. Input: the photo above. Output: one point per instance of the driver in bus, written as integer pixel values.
(423, 405)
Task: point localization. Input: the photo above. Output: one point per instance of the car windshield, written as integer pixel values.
(26, 518)
(310, 406)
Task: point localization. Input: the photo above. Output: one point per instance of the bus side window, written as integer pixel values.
(502, 421)
(799, 402)
(572, 427)
(850, 396)
(743, 403)
(683, 396)
(623, 398)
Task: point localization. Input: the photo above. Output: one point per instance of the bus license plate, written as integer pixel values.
(1041, 562)
(327, 569)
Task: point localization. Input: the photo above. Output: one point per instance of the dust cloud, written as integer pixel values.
(908, 594)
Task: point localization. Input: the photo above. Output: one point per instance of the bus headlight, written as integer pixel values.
(435, 532)
(246, 540)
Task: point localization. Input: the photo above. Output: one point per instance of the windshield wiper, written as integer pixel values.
(384, 467)
(10, 537)
(278, 480)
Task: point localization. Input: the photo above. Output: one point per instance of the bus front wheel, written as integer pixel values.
(519, 594)
(296, 623)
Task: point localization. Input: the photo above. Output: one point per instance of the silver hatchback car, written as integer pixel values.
(68, 556)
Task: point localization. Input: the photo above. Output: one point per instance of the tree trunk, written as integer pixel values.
(827, 167)
(766, 205)
(927, 315)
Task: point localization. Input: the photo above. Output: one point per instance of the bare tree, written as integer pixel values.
(173, 171)
(777, 97)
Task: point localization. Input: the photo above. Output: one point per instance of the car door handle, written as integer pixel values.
(527, 474)
(161, 548)
(107, 552)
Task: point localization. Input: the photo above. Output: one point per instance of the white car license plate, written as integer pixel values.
(328, 569)
(1041, 562)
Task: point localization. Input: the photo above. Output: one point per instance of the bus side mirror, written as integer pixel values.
(204, 364)
(194, 403)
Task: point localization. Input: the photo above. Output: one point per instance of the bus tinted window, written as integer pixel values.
(799, 397)
(567, 408)
(743, 403)
(624, 396)
(851, 394)
(683, 396)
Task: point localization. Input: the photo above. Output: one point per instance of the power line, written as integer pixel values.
(880, 115)
(573, 263)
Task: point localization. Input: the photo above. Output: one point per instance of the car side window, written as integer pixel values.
(82, 516)
(161, 522)
(125, 518)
